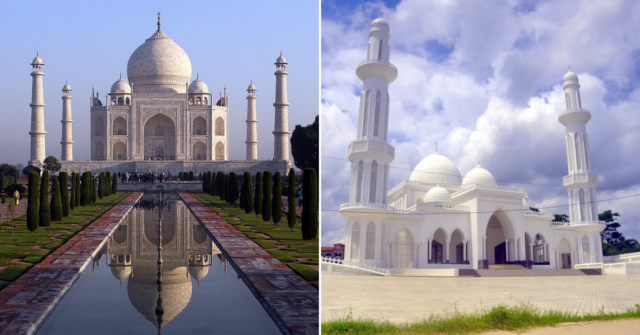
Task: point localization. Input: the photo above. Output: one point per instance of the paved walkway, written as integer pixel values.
(288, 298)
(402, 299)
(27, 302)
(21, 209)
(627, 327)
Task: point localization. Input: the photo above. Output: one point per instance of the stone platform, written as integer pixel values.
(291, 301)
(175, 167)
(27, 302)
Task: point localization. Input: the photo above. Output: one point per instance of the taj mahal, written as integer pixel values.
(160, 121)
(437, 219)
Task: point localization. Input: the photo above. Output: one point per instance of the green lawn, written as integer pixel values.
(30, 248)
(284, 244)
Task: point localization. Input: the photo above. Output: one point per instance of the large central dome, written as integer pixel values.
(159, 65)
(436, 169)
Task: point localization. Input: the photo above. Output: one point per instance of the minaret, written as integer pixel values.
(67, 142)
(252, 124)
(281, 129)
(370, 154)
(580, 183)
(37, 114)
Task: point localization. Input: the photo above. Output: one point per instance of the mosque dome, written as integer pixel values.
(198, 272)
(198, 86)
(251, 87)
(380, 24)
(438, 194)
(120, 86)
(37, 61)
(436, 169)
(479, 176)
(121, 272)
(66, 87)
(570, 78)
(159, 65)
(281, 59)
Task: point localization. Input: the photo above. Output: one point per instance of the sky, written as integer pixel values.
(89, 43)
(484, 80)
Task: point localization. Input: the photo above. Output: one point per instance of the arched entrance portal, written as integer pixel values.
(403, 250)
(565, 254)
(159, 138)
(500, 247)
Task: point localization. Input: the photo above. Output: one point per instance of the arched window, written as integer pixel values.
(206, 101)
(190, 101)
(374, 181)
(370, 251)
(128, 102)
(583, 213)
(199, 126)
(198, 101)
(199, 151)
(403, 250)
(386, 119)
(120, 101)
(219, 126)
(359, 182)
(365, 117)
(380, 42)
(355, 241)
(576, 139)
(159, 130)
(219, 151)
(376, 116)
(119, 126)
(538, 249)
(586, 253)
(119, 151)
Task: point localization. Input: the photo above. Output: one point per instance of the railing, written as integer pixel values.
(589, 266)
(573, 224)
(436, 205)
(579, 177)
(153, 158)
(577, 110)
(496, 187)
(534, 213)
(623, 258)
(374, 206)
(331, 265)
(372, 145)
(377, 61)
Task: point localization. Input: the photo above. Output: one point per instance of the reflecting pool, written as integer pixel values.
(159, 273)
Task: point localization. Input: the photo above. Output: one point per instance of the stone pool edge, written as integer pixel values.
(280, 290)
(27, 302)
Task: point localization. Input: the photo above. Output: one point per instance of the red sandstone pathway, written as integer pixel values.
(290, 300)
(21, 209)
(27, 302)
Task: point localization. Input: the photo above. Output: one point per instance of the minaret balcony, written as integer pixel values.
(377, 67)
(363, 209)
(371, 149)
(571, 115)
(581, 179)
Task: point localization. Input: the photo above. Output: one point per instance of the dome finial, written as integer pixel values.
(380, 14)
(37, 53)
(159, 20)
(120, 75)
(197, 75)
(436, 146)
(569, 68)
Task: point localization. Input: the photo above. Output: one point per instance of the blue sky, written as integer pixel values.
(484, 80)
(89, 43)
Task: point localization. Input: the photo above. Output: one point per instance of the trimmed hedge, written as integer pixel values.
(309, 204)
(44, 215)
(291, 199)
(33, 199)
(247, 193)
(266, 196)
(64, 193)
(276, 199)
(56, 203)
(257, 204)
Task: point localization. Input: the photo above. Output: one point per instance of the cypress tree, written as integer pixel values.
(32, 204)
(309, 204)
(2, 182)
(212, 182)
(205, 183)
(291, 199)
(94, 191)
(276, 200)
(85, 189)
(257, 204)
(78, 190)
(114, 183)
(101, 185)
(220, 184)
(247, 193)
(233, 188)
(56, 202)
(44, 215)
(107, 184)
(190, 175)
(225, 188)
(64, 193)
(180, 176)
(72, 197)
(266, 196)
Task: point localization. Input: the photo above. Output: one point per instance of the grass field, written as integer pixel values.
(31, 248)
(516, 318)
(284, 244)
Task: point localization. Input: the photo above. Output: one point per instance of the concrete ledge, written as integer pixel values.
(290, 300)
(450, 272)
(27, 302)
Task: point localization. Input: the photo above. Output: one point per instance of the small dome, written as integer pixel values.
(198, 86)
(478, 176)
(37, 61)
(120, 86)
(198, 272)
(380, 24)
(570, 78)
(66, 87)
(251, 87)
(281, 59)
(438, 194)
(120, 272)
(436, 169)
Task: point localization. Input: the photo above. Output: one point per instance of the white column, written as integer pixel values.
(252, 125)
(533, 257)
(429, 249)
(517, 247)
(447, 251)
(416, 259)
(281, 129)
(506, 248)
(592, 250)
(484, 248)
(464, 250)
(67, 141)
(37, 114)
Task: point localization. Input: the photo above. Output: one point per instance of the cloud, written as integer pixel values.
(484, 80)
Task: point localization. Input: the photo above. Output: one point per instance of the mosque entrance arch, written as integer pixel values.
(500, 248)
(159, 138)
(565, 254)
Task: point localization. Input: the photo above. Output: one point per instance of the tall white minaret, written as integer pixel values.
(370, 154)
(67, 142)
(37, 114)
(281, 129)
(252, 124)
(580, 183)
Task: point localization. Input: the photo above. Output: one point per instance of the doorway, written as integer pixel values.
(500, 252)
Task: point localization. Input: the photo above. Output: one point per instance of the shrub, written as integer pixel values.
(190, 175)
(101, 185)
(64, 193)
(225, 188)
(85, 189)
(266, 196)
(45, 212)
(205, 183)
(219, 183)
(94, 191)
(276, 200)
(78, 189)
(114, 183)
(56, 203)
(309, 204)
(291, 199)
(107, 190)
(233, 188)
(1, 182)
(212, 187)
(247, 193)
(28, 169)
(52, 165)
(257, 204)
(72, 197)
(32, 204)
(9, 190)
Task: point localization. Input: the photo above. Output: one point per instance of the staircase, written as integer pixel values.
(592, 272)
(468, 273)
(506, 267)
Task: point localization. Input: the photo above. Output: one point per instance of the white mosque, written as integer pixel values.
(438, 219)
